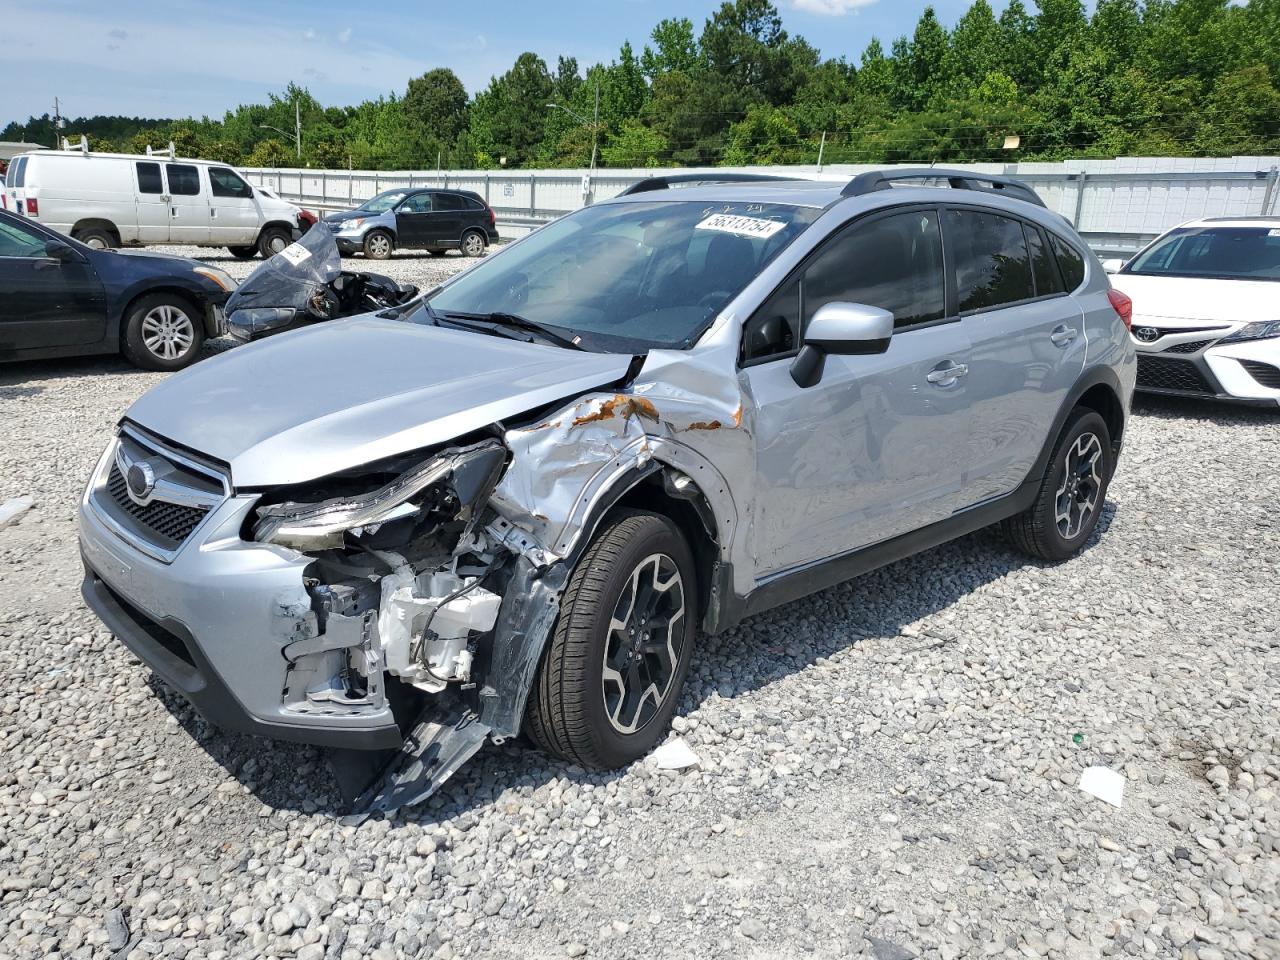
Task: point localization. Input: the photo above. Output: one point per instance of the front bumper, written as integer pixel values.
(212, 620)
(1241, 373)
(350, 243)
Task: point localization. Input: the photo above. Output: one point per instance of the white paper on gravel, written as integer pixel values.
(675, 755)
(10, 510)
(1103, 783)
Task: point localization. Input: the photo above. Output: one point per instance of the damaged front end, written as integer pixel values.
(409, 585)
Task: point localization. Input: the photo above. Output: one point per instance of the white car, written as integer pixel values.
(114, 199)
(1206, 310)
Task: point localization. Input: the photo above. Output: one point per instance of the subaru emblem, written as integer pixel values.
(141, 480)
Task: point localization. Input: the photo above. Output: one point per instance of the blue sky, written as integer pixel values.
(185, 57)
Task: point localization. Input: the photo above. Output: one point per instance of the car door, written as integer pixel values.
(188, 204)
(447, 217)
(233, 212)
(1028, 343)
(414, 226)
(873, 450)
(152, 203)
(46, 302)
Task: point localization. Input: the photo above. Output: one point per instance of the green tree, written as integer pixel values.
(634, 145)
(271, 153)
(506, 116)
(437, 101)
(674, 48)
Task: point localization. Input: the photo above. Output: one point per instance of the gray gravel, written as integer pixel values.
(888, 769)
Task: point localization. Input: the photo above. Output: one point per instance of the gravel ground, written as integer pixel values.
(888, 769)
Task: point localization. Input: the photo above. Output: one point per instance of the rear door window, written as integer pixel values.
(1069, 261)
(992, 263)
(449, 201)
(184, 179)
(149, 180)
(17, 174)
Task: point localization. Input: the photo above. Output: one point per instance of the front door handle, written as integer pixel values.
(947, 373)
(1062, 335)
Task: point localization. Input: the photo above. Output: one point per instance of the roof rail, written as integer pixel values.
(874, 180)
(677, 179)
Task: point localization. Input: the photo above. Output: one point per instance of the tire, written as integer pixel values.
(163, 331)
(473, 244)
(1067, 507)
(243, 253)
(378, 245)
(100, 238)
(272, 240)
(576, 712)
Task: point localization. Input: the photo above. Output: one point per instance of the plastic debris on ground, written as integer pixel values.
(674, 755)
(10, 510)
(1103, 783)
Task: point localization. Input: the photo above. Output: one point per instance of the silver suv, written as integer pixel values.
(512, 504)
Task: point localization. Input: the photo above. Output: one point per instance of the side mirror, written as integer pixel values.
(845, 329)
(62, 252)
(1113, 265)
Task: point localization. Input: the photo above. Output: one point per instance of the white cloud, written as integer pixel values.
(831, 8)
(344, 35)
(308, 34)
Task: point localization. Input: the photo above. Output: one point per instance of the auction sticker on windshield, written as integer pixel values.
(295, 253)
(743, 226)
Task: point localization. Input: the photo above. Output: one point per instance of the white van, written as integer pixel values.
(119, 199)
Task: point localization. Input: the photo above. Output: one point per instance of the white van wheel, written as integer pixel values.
(99, 238)
(271, 241)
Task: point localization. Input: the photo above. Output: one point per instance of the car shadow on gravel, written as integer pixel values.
(1220, 413)
(878, 605)
(100, 365)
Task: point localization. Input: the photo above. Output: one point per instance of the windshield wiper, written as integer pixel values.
(499, 320)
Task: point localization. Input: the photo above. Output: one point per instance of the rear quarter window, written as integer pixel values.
(1069, 261)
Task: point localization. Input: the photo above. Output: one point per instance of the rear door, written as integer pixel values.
(233, 212)
(188, 204)
(414, 226)
(152, 202)
(449, 212)
(875, 448)
(46, 302)
(1028, 343)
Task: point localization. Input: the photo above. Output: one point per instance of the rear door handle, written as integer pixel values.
(947, 373)
(1062, 335)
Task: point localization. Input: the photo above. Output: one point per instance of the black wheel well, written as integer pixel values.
(196, 303)
(277, 224)
(380, 229)
(91, 223)
(1103, 400)
(693, 518)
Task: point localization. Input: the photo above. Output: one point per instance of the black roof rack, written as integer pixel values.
(676, 179)
(874, 180)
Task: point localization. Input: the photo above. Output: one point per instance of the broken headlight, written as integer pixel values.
(246, 324)
(322, 524)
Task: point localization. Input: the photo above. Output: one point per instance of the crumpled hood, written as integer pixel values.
(1186, 298)
(336, 395)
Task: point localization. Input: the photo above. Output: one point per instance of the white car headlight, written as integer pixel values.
(1255, 331)
(346, 226)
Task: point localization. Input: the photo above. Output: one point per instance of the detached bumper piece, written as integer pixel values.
(445, 737)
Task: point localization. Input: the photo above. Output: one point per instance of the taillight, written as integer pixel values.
(1123, 306)
(33, 208)
(493, 218)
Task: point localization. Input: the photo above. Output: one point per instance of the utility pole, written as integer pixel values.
(297, 126)
(58, 124)
(595, 135)
(822, 146)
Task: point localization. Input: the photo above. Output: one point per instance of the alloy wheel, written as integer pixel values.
(379, 245)
(167, 331)
(473, 246)
(1076, 499)
(644, 643)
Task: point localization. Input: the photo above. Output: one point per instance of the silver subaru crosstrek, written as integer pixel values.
(512, 504)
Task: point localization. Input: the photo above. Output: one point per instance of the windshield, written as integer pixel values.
(383, 201)
(630, 277)
(1224, 253)
(291, 276)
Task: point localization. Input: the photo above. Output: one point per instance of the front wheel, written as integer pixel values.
(272, 240)
(611, 677)
(1067, 508)
(163, 331)
(378, 245)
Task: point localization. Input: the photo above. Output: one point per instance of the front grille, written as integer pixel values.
(1167, 373)
(1264, 373)
(1193, 347)
(171, 521)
